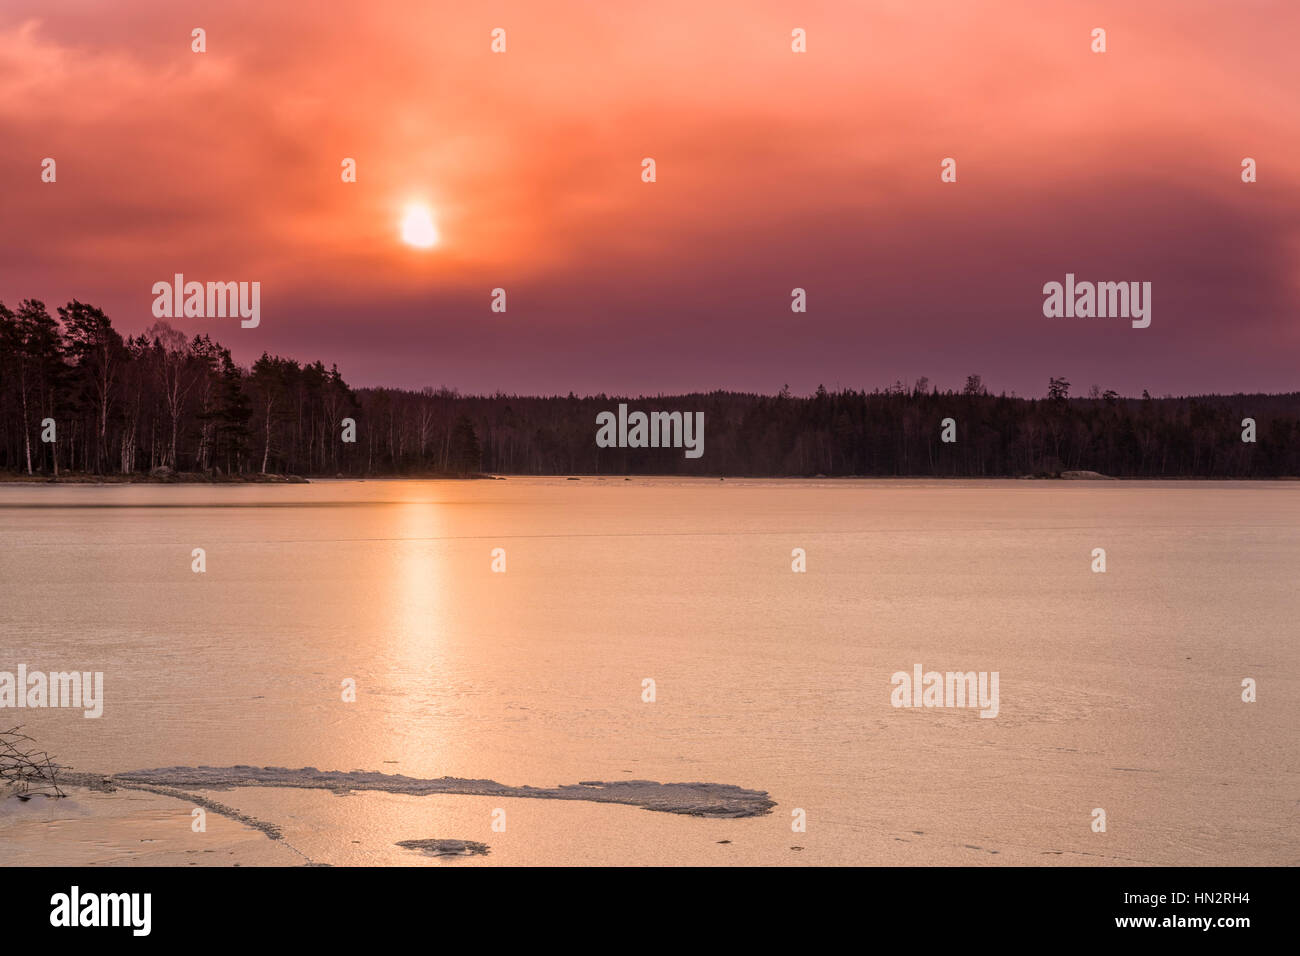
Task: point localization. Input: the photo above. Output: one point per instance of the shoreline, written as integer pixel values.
(174, 478)
(192, 478)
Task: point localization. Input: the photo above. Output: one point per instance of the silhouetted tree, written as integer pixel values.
(232, 414)
(466, 455)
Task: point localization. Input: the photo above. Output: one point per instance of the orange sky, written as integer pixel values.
(775, 170)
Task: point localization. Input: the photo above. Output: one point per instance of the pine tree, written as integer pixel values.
(466, 456)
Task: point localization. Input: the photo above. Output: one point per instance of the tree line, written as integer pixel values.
(75, 396)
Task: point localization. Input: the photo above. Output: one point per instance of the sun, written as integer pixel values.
(417, 227)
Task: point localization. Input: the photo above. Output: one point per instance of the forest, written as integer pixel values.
(76, 397)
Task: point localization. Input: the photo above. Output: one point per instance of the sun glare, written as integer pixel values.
(417, 227)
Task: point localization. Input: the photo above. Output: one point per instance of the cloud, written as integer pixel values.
(775, 170)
